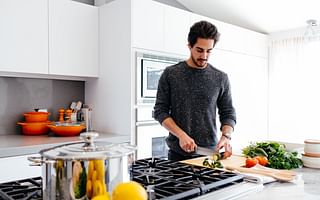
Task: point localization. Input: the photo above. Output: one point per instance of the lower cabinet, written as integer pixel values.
(18, 167)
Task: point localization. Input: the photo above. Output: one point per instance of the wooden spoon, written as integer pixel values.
(283, 171)
(278, 175)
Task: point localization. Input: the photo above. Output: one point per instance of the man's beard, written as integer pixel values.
(203, 61)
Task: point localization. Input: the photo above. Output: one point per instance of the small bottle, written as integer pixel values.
(61, 115)
(68, 115)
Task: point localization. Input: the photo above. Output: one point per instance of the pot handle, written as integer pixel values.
(36, 161)
(89, 138)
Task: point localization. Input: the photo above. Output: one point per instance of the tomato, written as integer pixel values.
(262, 160)
(250, 162)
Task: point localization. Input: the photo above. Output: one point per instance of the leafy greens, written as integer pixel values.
(276, 153)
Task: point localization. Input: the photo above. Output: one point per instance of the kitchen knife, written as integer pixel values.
(208, 152)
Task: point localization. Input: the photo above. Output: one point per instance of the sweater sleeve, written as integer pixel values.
(227, 113)
(162, 105)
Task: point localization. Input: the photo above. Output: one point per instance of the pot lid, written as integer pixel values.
(88, 150)
(312, 141)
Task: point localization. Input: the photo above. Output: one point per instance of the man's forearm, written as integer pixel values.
(172, 127)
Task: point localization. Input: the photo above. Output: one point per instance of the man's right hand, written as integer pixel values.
(187, 143)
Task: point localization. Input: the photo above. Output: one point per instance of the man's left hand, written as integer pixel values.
(224, 143)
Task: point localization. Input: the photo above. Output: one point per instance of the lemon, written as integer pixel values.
(98, 188)
(102, 197)
(99, 167)
(129, 191)
(90, 169)
(89, 189)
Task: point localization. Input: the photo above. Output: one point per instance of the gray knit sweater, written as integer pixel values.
(191, 97)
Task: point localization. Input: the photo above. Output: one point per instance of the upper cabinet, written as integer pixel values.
(237, 39)
(176, 29)
(159, 27)
(73, 39)
(24, 36)
(147, 25)
(49, 37)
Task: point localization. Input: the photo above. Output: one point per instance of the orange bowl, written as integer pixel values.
(34, 128)
(66, 129)
(36, 116)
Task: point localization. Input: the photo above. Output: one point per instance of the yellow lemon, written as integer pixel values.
(129, 191)
(90, 169)
(99, 167)
(102, 197)
(89, 189)
(98, 188)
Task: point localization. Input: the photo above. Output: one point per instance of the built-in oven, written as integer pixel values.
(150, 135)
(149, 70)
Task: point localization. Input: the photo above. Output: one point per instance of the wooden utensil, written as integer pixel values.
(276, 174)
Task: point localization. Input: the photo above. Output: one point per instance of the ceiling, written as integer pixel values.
(265, 16)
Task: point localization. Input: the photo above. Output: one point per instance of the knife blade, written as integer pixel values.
(208, 152)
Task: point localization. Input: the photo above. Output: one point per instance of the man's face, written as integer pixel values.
(200, 52)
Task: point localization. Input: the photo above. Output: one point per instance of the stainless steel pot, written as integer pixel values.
(85, 169)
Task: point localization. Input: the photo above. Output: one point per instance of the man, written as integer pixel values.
(189, 94)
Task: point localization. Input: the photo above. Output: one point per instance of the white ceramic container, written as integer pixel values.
(312, 162)
(312, 147)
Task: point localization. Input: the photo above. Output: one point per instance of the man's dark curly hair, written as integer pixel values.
(205, 30)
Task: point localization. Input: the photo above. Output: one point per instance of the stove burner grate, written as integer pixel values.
(26, 189)
(166, 179)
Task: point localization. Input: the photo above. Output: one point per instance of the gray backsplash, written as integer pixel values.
(20, 95)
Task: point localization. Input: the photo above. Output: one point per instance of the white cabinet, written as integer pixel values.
(24, 36)
(159, 27)
(17, 167)
(176, 29)
(237, 39)
(147, 25)
(73, 38)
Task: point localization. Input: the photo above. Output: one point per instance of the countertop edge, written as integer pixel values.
(19, 145)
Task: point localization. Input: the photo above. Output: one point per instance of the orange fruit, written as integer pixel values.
(250, 162)
(129, 191)
(262, 160)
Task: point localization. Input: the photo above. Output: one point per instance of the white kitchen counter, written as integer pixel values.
(17, 145)
(305, 187)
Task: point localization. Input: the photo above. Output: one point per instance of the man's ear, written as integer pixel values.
(189, 46)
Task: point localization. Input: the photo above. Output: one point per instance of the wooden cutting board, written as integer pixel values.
(234, 160)
(238, 162)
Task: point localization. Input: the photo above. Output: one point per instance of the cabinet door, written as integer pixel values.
(24, 36)
(73, 38)
(147, 25)
(176, 29)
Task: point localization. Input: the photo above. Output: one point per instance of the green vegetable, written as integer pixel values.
(212, 163)
(80, 189)
(276, 153)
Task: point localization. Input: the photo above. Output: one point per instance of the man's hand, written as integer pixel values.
(224, 143)
(187, 143)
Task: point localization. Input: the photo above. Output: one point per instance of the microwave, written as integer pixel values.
(149, 69)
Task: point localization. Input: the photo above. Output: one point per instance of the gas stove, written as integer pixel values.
(163, 179)
(167, 180)
(26, 189)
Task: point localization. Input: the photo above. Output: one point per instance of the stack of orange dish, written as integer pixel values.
(35, 123)
(311, 156)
